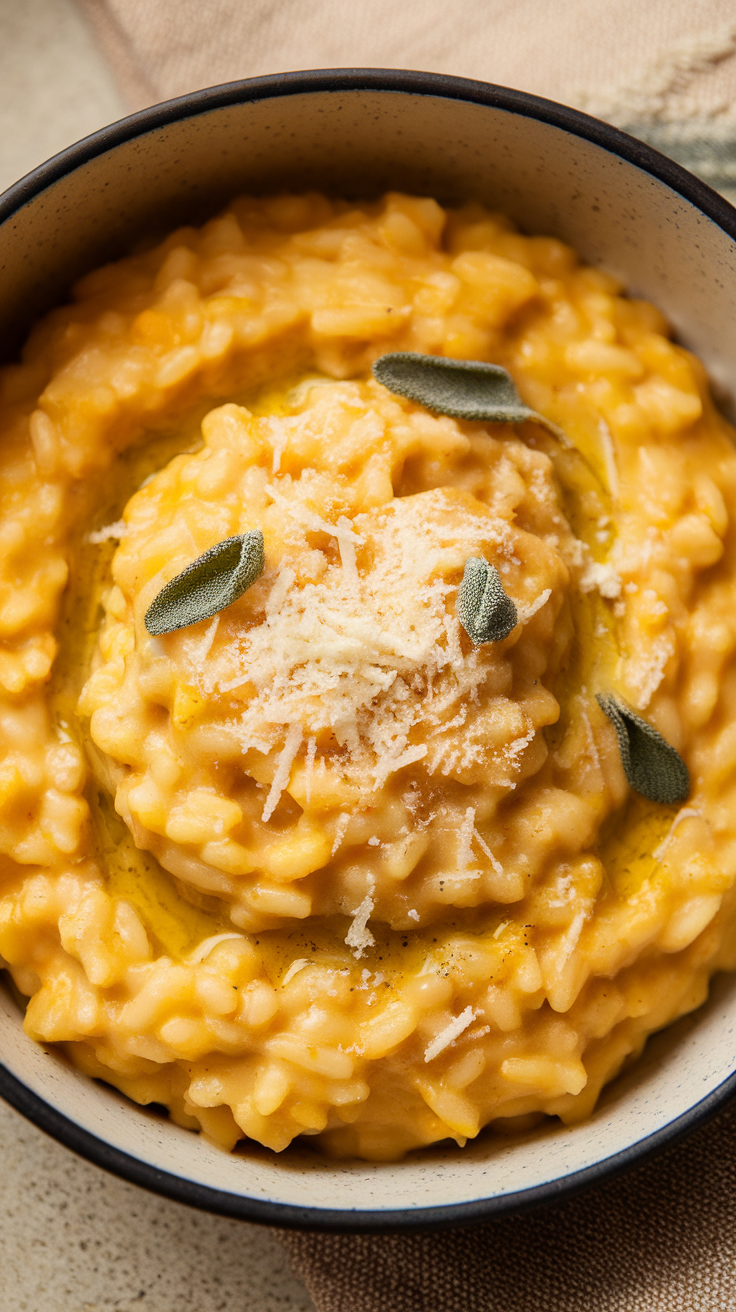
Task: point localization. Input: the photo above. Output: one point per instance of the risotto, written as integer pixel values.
(352, 843)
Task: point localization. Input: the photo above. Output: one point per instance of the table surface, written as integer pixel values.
(73, 1239)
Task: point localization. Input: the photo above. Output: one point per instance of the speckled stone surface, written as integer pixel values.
(73, 1239)
(54, 84)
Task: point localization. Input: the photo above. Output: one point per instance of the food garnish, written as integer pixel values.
(485, 611)
(212, 582)
(463, 389)
(651, 764)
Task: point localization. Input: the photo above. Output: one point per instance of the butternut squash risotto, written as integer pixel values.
(326, 853)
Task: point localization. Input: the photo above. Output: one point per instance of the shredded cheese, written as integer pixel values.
(369, 653)
(283, 770)
(359, 936)
(343, 820)
(571, 937)
(449, 1033)
(465, 841)
(495, 864)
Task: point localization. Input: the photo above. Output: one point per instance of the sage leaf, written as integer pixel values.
(464, 389)
(651, 765)
(484, 610)
(212, 582)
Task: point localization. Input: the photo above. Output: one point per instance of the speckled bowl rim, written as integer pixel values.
(714, 207)
(348, 1220)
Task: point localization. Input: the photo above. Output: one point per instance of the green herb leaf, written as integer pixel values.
(484, 610)
(212, 582)
(465, 389)
(652, 767)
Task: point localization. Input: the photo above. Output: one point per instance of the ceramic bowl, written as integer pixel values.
(357, 133)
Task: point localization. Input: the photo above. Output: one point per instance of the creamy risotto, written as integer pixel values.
(317, 863)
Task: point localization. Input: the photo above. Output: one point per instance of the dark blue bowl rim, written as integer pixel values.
(714, 207)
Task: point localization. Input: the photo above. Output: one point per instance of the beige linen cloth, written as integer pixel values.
(662, 1238)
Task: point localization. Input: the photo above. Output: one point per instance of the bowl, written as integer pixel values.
(357, 133)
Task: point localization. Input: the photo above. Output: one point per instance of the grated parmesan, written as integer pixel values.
(571, 938)
(370, 656)
(465, 858)
(495, 864)
(603, 576)
(450, 1033)
(283, 770)
(359, 936)
(309, 767)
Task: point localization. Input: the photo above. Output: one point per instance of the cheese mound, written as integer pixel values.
(339, 699)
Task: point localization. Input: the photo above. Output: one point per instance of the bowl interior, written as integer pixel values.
(681, 1071)
(554, 172)
(180, 162)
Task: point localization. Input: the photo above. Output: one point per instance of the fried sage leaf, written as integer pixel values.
(484, 610)
(464, 389)
(651, 765)
(212, 582)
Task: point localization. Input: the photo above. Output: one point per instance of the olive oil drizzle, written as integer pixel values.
(174, 923)
(628, 839)
(176, 917)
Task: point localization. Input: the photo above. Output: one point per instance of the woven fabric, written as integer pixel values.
(663, 69)
(663, 1237)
